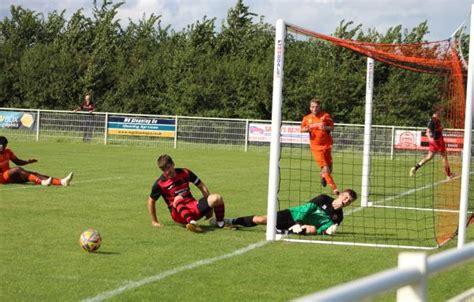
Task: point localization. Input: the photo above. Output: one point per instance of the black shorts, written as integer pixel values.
(203, 206)
(284, 220)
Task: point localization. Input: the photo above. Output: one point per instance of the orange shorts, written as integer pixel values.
(322, 157)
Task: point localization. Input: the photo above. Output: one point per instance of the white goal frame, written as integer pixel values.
(274, 176)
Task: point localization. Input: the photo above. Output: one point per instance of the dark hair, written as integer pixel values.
(315, 100)
(352, 193)
(164, 160)
(3, 141)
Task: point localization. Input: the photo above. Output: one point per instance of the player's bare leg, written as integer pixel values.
(421, 163)
(326, 175)
(260, 219)
(20, 175)
(447, 168)
(323, 179)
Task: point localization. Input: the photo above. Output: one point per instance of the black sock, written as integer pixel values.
(417, 167)
(244, 221)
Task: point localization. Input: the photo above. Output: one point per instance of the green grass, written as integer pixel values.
(40, 258)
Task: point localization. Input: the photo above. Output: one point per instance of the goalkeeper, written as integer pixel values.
(321, 215)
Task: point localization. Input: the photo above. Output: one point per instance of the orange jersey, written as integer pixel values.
(319, 139)
(5, 160)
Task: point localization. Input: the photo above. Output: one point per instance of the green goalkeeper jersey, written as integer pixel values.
(318, 212)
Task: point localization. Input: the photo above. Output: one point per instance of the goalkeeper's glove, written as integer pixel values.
(297, 229)
(331, 230)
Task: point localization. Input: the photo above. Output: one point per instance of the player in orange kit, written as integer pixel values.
(319, 124)
(20, 175)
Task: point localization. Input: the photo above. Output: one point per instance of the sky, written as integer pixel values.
(323, 16)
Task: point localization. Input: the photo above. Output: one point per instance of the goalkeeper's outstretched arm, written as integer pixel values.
(327, 229)
(310, 229)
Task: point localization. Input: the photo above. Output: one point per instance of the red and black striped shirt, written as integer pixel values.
(435, 127)
(169, 188)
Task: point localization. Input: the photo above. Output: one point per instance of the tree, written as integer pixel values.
(149, 68)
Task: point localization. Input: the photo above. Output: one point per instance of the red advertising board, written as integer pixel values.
(417, 140)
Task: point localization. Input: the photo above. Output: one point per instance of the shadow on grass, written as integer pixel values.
(105, 253)
(209, 228)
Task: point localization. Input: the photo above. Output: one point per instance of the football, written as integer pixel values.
(90, 240)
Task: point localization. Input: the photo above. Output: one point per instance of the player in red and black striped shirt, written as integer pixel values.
(436, 143)
(173, 185)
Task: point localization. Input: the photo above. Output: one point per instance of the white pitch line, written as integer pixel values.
(20, 187)
(135, 284)
(421, 209)
(405, 193)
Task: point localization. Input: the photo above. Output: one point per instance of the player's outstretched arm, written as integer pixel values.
(298, 229)
(203, 188)
(310, 229)
(331, 230)
(303, 229)
(152, 212)
(21, 162)
(328, 228)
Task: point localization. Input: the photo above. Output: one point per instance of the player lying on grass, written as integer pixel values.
(321, 215)
(20, 175)
(173, 185)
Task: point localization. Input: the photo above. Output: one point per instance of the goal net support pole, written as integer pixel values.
(274, 173)
(369, 87)
(466, 157)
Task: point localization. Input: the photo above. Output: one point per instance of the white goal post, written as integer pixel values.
(274, 173)
(466, 160)
(275, 145)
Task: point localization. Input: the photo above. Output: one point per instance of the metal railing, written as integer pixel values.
(183, 130)
(410, 278)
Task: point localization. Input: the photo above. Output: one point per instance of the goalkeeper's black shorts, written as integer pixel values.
(284, 220)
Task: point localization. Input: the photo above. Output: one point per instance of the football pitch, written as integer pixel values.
(40, 226)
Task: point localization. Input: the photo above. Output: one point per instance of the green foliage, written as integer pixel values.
(147, 67)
